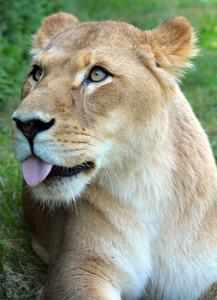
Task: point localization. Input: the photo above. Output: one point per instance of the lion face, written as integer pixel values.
(95, 103)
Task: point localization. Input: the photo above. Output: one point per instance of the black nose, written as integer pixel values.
(32, 127)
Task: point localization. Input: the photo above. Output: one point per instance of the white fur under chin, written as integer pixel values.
(64, 192)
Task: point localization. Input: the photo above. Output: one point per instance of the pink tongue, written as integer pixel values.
(35, 170)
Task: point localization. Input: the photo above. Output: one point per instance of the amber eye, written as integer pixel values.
(98, 74)
(37, 73)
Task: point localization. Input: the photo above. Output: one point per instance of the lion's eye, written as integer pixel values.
(97, 74)
(37, 73)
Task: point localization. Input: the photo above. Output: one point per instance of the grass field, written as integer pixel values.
(21, 273)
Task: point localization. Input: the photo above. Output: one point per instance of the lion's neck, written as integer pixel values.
(147, 188)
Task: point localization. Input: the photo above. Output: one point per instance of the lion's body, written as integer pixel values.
(142, 220)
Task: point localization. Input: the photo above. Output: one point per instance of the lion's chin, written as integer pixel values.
(62, 190)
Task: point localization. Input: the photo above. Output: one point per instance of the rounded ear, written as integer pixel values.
(50, 27)
(172, 44)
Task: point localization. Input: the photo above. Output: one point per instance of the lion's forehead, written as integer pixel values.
(58, 55)
(83, 33)
(105, 36)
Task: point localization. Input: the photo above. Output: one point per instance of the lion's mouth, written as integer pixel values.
(68, 172)
(35, 170)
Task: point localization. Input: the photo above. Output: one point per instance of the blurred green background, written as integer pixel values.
(21, 273)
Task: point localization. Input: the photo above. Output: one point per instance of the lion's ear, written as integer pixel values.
(50, 27)
(173, 44)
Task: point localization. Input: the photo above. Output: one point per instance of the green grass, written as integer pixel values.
(21, 273)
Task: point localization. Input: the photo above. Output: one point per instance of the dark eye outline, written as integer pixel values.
(35, 68)
(88, 79)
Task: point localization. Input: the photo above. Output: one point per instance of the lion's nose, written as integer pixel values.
(32, 127)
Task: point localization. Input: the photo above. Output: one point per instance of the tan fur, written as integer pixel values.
(211, 293)
(143, 221)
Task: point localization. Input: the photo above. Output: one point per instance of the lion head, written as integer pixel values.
(95, 101)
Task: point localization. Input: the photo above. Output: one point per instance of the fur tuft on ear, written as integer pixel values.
(173, 44)
(50, 27)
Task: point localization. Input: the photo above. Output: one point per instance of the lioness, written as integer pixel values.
(108, 141)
